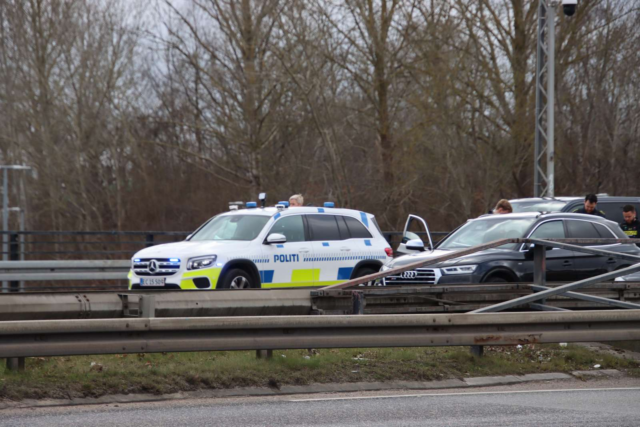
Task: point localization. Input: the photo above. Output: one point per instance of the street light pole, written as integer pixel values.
(543, 181)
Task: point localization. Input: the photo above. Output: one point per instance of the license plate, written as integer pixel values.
(152, 281)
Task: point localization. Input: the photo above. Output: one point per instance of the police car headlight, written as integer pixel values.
(201, 262)
(461, 269)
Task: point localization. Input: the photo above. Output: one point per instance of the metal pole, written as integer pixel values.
(543, 178)
(5, 222)
(21, 244)
(540, 136)
(551, 69)
(357, 302)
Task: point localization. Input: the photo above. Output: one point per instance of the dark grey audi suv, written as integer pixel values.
(513, 262)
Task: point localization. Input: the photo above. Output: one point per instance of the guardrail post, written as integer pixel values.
(148, 306)
(477, 350)
(148, 240)
(15, 363)
(14, 255)
(264, 354)
(540, 267)
(358, 302)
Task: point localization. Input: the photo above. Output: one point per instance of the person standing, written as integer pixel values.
(590, 206)
(630, 225)
(296, 200)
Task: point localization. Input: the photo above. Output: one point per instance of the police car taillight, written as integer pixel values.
(389, 252)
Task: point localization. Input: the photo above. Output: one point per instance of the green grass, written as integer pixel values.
(68, 377)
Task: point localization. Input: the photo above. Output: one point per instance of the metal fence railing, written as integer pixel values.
(21, 339)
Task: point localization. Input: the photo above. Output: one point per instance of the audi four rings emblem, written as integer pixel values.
(409, 274)
(153, 266)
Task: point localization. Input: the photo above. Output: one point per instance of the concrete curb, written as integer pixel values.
(307, 389)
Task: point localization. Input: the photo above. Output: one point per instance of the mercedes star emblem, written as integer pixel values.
(153, 266)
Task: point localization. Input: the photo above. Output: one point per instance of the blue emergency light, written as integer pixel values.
(251, 205)
(285, 204)
(329, 205)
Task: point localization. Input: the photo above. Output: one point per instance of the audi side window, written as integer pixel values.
(358, 231)
(323, 227)
(604, 232)
(291, 226)
(582, 230)
(549, 230)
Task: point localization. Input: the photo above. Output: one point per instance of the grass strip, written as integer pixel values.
(95, 376)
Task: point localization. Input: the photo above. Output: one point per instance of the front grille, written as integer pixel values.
(419, 276)
(164, 267)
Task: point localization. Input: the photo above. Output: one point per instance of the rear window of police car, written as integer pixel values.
(330, 227)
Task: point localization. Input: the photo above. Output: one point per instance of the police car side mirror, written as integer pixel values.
(275, 238)
(415, 245)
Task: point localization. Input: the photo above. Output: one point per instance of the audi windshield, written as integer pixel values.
(232, 227)
(487, 230)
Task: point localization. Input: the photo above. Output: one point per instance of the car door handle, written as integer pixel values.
(303, 250)
(344, 248)
(567, 263)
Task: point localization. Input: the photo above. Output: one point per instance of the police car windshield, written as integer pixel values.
(232, 227)
(487, 230)
(538, 206)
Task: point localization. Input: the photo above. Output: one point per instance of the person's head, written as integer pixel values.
(503, 207)
(590, 203)
(628, 213)
(296, 200)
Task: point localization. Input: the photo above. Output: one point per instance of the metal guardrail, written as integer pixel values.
(296, 301)
(106, 305)
(16, 273)
(154, 335)
(466, 298)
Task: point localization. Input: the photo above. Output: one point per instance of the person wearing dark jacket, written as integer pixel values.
(630, 225)
(590, 206)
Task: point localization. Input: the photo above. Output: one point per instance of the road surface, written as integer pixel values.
(595, 403)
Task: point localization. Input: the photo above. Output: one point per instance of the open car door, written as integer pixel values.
(415, 237)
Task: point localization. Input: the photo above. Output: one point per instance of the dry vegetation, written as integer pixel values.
(154, 114)
(94, 376)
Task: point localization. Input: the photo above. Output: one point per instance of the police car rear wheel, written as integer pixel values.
(237, 279)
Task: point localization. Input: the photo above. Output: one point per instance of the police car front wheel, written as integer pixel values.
(237, 279)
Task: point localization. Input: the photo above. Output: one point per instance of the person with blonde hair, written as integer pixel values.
(503, 207)
(296, 200)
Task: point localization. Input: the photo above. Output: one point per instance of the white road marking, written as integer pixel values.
(465, 394)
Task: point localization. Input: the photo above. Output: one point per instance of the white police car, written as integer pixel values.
(269, 247)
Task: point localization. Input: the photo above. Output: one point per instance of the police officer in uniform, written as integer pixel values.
(630, 225)
(590, 206)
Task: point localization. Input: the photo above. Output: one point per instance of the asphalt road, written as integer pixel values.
(566, 407)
